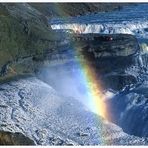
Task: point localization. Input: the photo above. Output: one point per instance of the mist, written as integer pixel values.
(68, 80)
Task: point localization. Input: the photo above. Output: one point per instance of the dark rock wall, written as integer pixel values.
(25, 34)
(116, 61)
(8, 138)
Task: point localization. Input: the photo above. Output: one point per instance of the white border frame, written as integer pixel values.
(76, 1)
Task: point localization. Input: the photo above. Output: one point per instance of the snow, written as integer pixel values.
(35, 109)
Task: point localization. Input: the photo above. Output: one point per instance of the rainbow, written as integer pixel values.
(89, 78)
(87, 75)
(94, 89)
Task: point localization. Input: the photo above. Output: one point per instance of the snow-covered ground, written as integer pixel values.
(35, 109)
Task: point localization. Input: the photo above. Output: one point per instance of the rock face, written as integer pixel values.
(116, 61)
(99, 50)
(35, 110)
(8, 138)
(111, 45)
(25, 35)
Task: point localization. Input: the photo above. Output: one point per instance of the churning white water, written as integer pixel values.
(131, 19)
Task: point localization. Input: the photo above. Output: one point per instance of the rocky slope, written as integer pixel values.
(26, 34)
(34, 111)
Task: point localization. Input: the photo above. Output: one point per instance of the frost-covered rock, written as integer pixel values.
(34, 109)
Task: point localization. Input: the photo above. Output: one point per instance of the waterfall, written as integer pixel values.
(134, 28)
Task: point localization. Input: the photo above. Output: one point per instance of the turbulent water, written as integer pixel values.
(131, 19)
